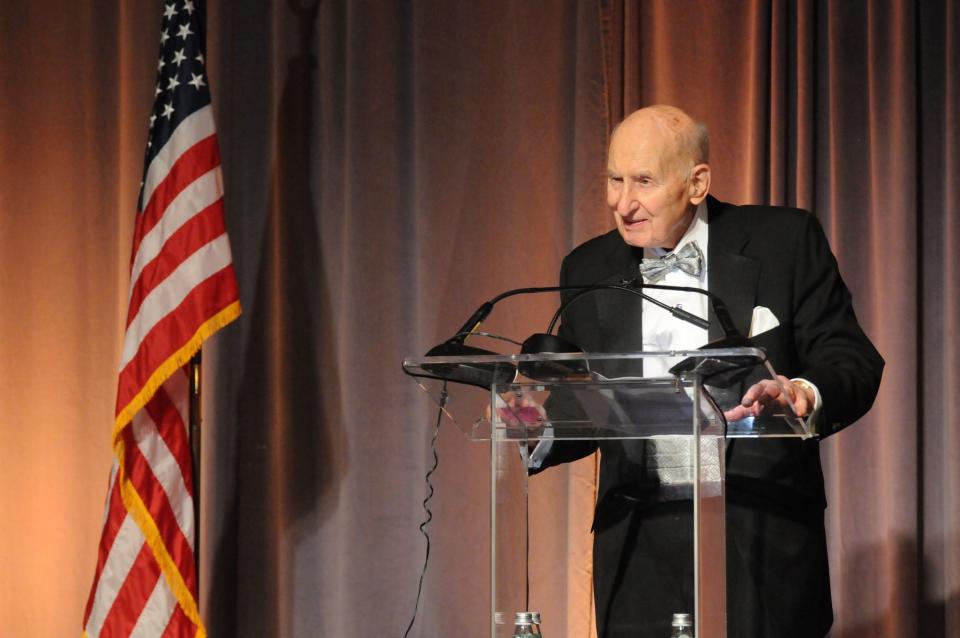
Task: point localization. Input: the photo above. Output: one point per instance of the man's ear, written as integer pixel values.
(699, 183)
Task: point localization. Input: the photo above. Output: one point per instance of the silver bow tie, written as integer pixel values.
(689, 259)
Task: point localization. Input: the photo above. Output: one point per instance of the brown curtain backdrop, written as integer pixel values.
(848, 109)
(75, 90)
(388, 167)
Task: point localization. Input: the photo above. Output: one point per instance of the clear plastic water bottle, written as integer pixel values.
(682, 626)
(526, 624)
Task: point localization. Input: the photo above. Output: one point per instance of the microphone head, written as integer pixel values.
(543, 343)
(722, 372)
(483, 375)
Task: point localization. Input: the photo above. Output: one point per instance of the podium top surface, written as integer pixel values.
(603, 395)
(756, 353)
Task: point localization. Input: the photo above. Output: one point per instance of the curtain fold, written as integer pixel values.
(938, 347)
(422, 158)
(75, 95)
(388, 167)
(842, 108)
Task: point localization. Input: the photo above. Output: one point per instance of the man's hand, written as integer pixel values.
(516, 408)
(766, 396)
(520, 408)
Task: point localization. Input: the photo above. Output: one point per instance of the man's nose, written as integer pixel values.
(627, 203)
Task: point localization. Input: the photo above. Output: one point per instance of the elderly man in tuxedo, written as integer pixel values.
(753, 257)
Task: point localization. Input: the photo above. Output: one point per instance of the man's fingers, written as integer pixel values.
(763, 392)
(751, 395)
(800, 405)
(736, 413)
(518, 408)
(769, 393)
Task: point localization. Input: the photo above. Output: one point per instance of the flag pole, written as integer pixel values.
(194, 370)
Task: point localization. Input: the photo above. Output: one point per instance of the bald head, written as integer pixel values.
(685, 137)
(657, 175)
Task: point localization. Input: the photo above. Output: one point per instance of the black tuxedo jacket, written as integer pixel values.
(757, 256)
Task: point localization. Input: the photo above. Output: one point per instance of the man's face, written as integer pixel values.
(647, 186)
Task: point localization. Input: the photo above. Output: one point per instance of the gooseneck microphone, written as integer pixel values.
(632, 286)
(485, 374)
(719, 308)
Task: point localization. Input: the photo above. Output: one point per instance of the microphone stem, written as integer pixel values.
(679, 313)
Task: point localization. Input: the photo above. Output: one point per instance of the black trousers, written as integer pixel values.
(777, 576)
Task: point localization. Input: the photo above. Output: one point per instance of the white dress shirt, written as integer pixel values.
(661, 330)
(670, 458)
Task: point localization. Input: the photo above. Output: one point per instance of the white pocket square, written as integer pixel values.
(762, 320)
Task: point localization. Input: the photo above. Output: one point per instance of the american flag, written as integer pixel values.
(182, 290)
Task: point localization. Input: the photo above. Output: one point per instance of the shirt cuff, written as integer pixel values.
(814, 417)
(539, 453)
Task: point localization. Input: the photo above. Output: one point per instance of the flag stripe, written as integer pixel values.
(179, 626)
(202, 191)
(156, 614)
(178, 390)
(197, 126)
(130, 600)
(202, 157)
(171, 424)
(138, 399)
(158, 507)
(123, 552)
(160, 346)
(110, 490)
(163, 466)
(115, 516)
(200, 229)
(134, 504)
(196, 269)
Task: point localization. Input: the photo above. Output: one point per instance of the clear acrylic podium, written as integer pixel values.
(515, 401)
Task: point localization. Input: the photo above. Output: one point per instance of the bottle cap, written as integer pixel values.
(523, 618)
(682, 620)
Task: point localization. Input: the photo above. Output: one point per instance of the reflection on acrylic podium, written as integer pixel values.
(511, 402)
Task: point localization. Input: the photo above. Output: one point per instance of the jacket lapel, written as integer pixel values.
(732, 276)
(619, 314)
